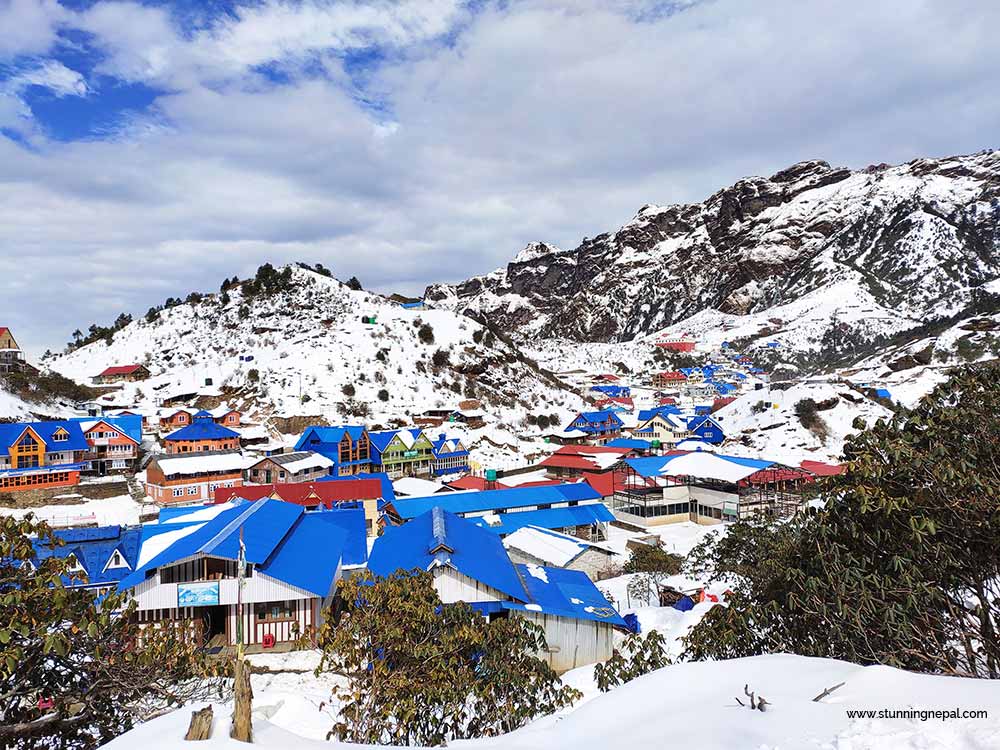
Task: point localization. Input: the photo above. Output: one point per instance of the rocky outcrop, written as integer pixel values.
(916, 238)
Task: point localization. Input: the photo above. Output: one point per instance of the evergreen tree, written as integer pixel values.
(901, 564)
(417, 672)
(72, 672)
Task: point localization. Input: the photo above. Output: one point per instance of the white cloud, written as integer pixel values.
(53, 75)
(537, 121)
(28, 26)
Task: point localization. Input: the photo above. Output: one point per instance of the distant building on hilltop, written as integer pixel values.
(11, 356)
(122, 374)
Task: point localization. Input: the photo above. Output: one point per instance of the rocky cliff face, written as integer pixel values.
(914, 240)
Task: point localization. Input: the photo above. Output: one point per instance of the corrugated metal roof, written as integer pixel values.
(10, 433)
(514, 497)
(550, 518)
(457, 543)
(202, 428)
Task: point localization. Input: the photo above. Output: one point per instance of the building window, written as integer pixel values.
(269, 611)
(178, 491)
(60, 436)
(192, 490)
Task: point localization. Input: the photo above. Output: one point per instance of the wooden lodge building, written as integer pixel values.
(293, 562)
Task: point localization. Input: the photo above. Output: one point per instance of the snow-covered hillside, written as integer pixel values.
(307, 351)
(766, 423)
(690, 705)
(812, 247)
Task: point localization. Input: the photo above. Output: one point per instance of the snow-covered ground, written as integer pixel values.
(121, 509)
(690, 705)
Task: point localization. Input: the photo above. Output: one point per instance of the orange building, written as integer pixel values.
(41, 454)
(201, 436)
(192, 478)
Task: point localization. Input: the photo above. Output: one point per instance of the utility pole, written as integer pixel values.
(242, 727)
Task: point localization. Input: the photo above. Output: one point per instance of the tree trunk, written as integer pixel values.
(242, 728)
(200, 727)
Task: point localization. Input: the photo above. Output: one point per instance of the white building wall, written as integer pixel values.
(573, 643)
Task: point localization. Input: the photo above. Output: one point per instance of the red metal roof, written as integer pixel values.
(672, 375)
(821, 469)
(306, 493)
(120, 370)
(474, 483)
(574, 456)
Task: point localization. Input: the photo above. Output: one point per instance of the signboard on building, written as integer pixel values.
(198, 594)
(411, 454)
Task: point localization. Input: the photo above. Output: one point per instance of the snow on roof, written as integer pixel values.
(204, 463)
(157, 543)
(414, 486)
(302, 461)
(550, 547)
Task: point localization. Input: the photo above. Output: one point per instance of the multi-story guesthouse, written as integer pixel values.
(41, 454)
(295, 467)
(469, 564)
(193, 477)
(176, 418)
(663, 425)
(348, 446)
(598, 426)
(11, 356)
(110, 447)
(103, 555)
(402, 453)
(203, 434)
(293, 562)
(669, 379)
(122, 374)
(450, 456)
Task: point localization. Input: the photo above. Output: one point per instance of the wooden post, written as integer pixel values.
(242, 728)
(200, 727)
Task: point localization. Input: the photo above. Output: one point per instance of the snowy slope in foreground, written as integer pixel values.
(693, 705)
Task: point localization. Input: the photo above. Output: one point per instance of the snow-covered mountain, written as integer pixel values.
(311, 349)
(811, 249)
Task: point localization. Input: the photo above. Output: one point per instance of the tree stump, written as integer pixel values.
(242, 728)
(200, 727)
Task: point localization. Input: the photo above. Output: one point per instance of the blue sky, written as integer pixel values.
(148, 149)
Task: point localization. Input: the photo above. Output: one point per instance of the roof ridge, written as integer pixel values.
(216, 540)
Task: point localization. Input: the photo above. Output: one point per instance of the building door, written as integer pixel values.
(214, 619)
(267, 476)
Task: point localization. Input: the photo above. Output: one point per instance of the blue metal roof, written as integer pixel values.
(438, 444)
(130, 424)
(93, 548)
(309, 555)
(9, 433)
(324, 434)
(514, 497)
(647, 466)
(202, 428)
(883, 393)
(599, 416)
(565, 593)
(299, 548)
(628, 443)
(351, 520)
(550, 518)
(437, 537)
